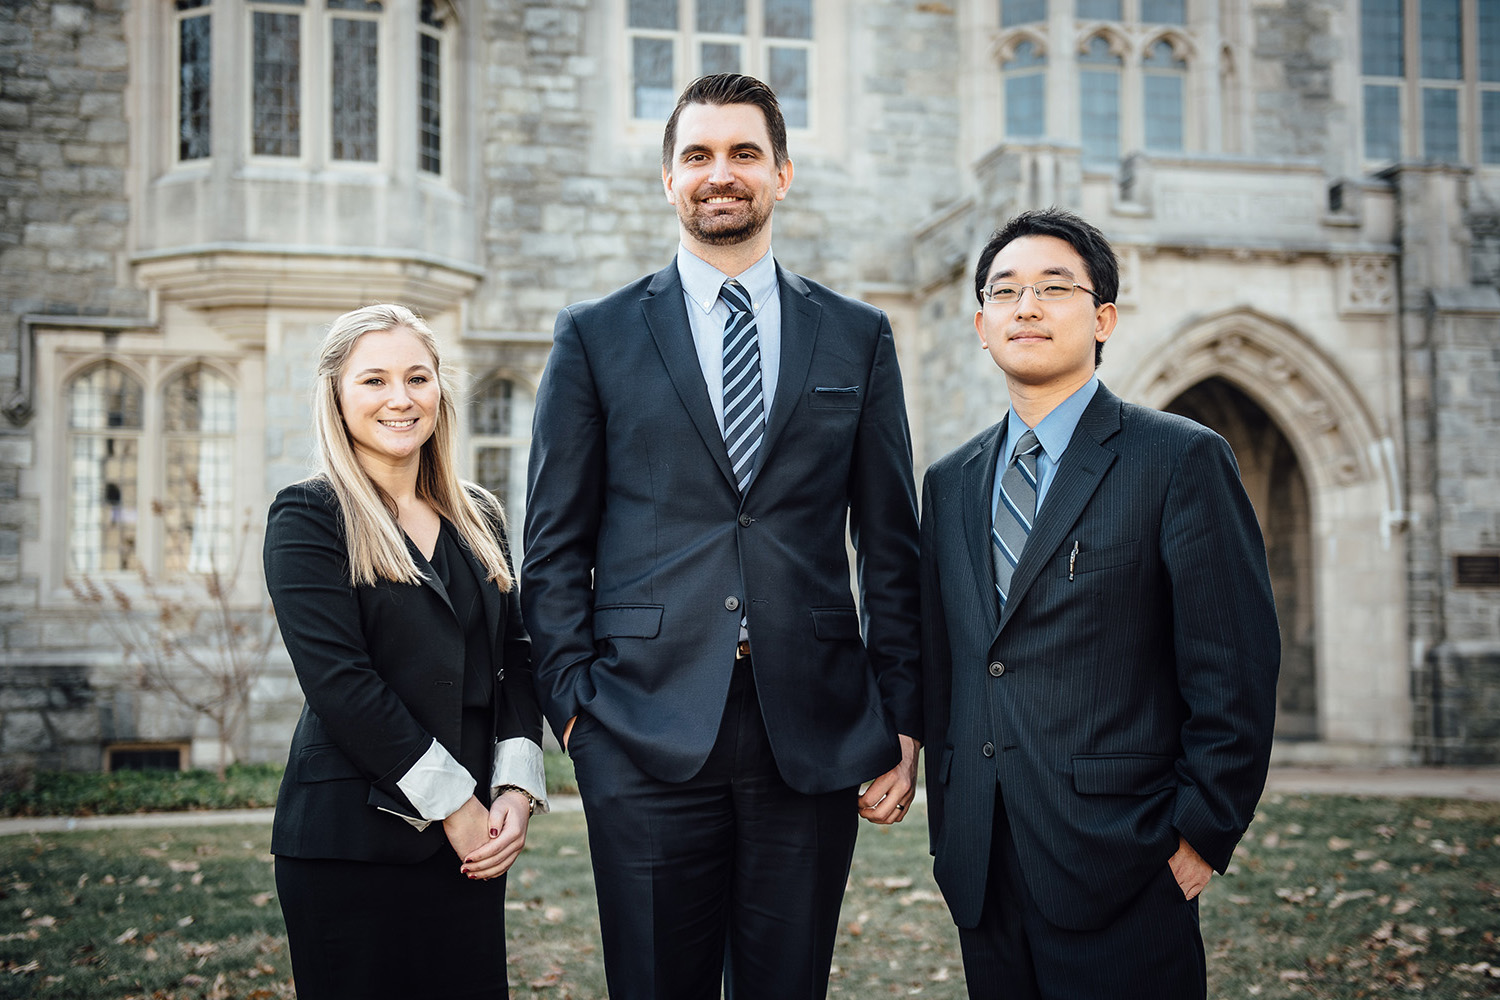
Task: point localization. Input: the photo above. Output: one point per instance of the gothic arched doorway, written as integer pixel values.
(1273, 478)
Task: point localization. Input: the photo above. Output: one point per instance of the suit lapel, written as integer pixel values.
(978, 485)
(666, 318)
(1079, 473)
(801, 318)
(429, 575)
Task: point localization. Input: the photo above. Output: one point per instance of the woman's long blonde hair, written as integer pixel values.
(376, 543)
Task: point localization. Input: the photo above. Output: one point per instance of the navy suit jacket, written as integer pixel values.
(641, 554)
(1126, 695)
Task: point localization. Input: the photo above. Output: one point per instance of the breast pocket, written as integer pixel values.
(835, 397)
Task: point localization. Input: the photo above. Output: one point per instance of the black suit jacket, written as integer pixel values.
(382, 669)
(641, 554)
(1138, 688)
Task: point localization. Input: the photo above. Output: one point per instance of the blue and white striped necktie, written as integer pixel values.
(744, 409)
(1015, 509)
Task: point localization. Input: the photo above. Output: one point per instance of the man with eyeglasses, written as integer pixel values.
(1100, 651)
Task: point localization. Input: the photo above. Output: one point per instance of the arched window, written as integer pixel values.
(1099, 96)
(198, 461)
(1164, 75)
(500, 425)
(1026, 92)
(105, 425)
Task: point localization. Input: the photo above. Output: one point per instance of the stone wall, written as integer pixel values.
(63, 224)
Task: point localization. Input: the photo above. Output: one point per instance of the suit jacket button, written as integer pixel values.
(745, 520)
(500, 674)
(988, 749)
(731, 603)
(997, 669)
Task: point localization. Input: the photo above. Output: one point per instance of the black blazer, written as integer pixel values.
(641, 555)
(382, 670)
(1127, 695)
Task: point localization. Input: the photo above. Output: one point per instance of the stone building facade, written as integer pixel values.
(1305, 197)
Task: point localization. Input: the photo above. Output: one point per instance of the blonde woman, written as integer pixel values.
(417, 762)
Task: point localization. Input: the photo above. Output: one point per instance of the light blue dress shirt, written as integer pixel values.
(1054, 432)
(707, 315)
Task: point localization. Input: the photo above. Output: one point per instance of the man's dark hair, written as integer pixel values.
(1086, 241)
(729, 88)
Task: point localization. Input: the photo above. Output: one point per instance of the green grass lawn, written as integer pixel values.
(1328, 897)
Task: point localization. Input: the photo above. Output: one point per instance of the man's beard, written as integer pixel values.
(724, 230)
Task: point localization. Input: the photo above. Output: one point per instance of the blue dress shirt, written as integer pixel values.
(707, 315)
(1054, 432)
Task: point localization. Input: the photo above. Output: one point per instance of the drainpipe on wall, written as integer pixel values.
(19, 407)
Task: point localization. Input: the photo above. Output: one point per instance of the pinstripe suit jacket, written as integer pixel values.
(1126, 695)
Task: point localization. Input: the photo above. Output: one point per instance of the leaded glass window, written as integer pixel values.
(1164, 11)
(1382, 122)
(500, 418)
(655, 91)
(1440, 124)
(355, 87)
(1165, 75)
(1099, 94)
(276, 101)
(1025, 92)
(194, 80)
(433, 19)
(787, 75)
(105, 424)
(670, 42)
(198, 499)
(1442, 45)
(1022, 12)
(1098, 10)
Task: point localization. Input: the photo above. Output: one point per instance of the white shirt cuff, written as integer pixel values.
(518, 761)
(437, 784)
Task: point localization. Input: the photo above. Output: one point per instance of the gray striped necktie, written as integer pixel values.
(1014, 511)
(744, 409)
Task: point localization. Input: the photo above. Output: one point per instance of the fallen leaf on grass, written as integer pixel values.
(567, 852)
(182, 866)
(1289, 975)
(554, 914)
(128, 936)
(262, 898)
(1340, 898)
(940, 976)
(185, 921)
(1402, 906)
(1339, 844)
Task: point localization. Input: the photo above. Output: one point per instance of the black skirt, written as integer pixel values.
(362, 931)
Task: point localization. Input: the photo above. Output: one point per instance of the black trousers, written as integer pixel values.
(1151, 951)
(364, 931)
(730, 878)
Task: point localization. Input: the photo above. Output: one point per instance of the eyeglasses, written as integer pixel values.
(1005, 294)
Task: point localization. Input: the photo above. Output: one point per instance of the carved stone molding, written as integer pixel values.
(1314, 404)
(1367, 285)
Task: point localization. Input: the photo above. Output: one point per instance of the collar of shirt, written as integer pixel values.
(1054, 432)
(701, 281)
(707, 314)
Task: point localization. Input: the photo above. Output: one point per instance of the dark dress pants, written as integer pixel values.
(728, 878)
(1151, 951)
